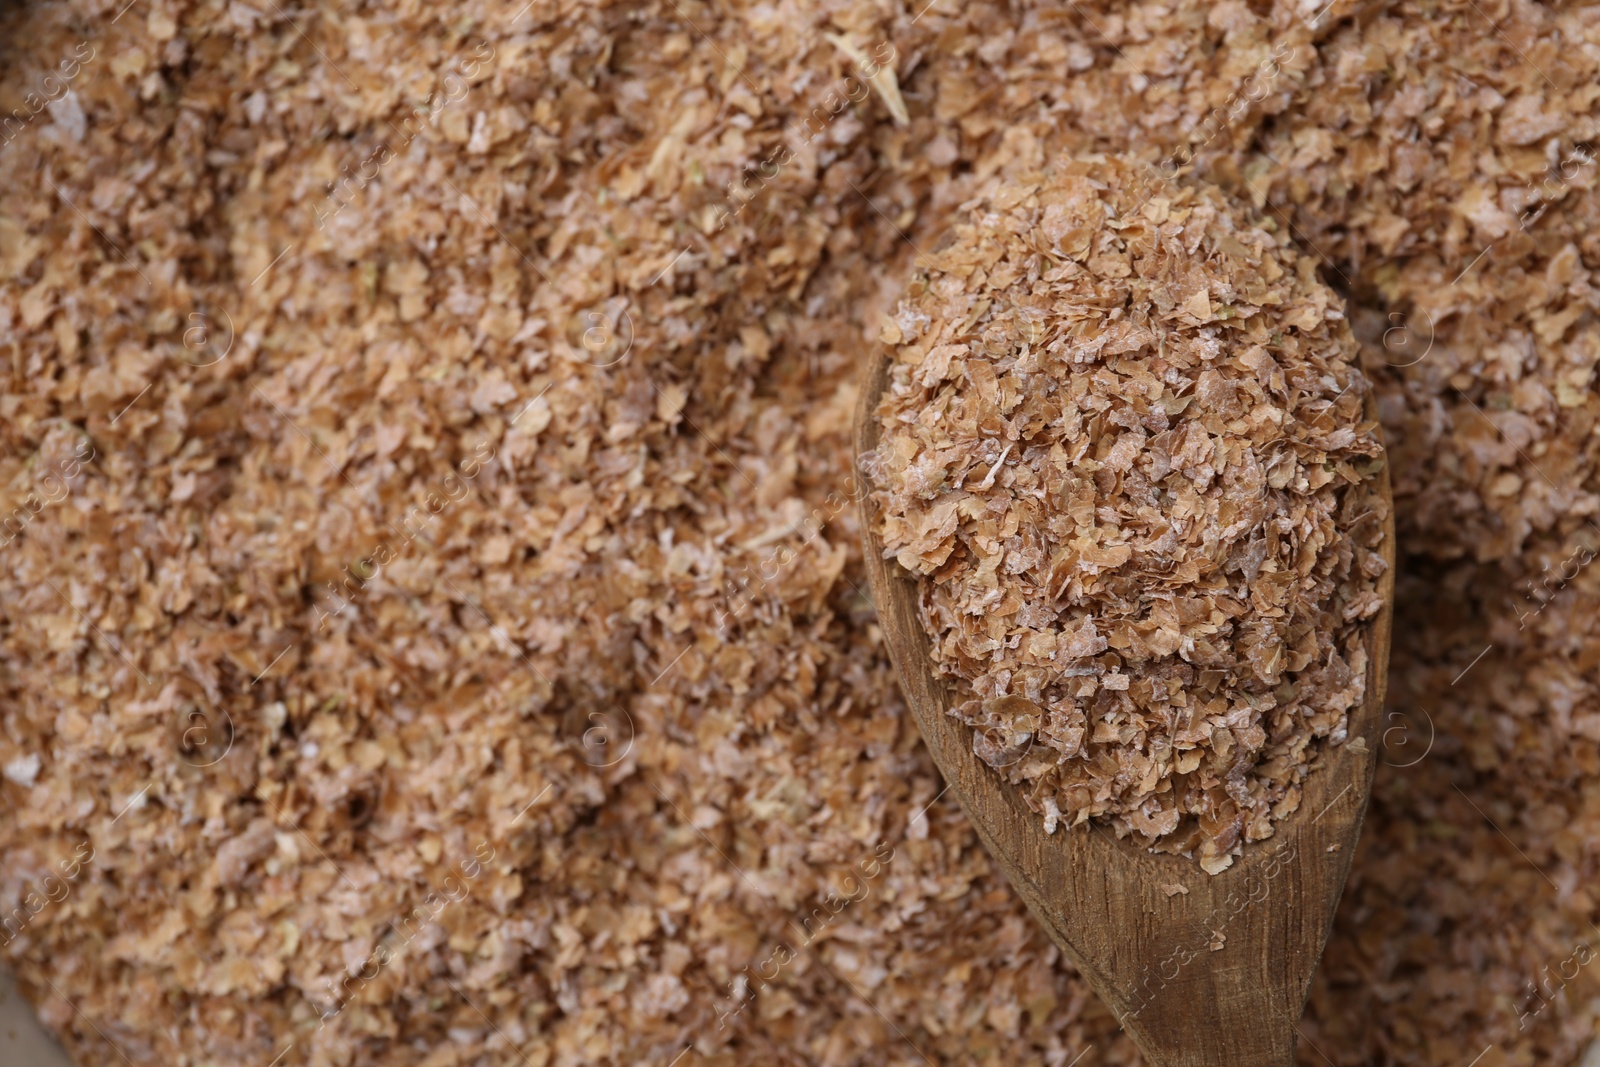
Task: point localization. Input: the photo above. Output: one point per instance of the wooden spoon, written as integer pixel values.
(1216, 976)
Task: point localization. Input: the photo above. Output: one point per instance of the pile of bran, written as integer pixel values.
(629, 655)
(1125, 448)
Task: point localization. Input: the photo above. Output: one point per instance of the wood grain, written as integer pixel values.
(1101, 900)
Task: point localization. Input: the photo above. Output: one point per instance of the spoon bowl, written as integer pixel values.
(1199, 969)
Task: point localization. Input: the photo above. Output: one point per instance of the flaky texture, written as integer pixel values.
(1123, 441)
(637, 513)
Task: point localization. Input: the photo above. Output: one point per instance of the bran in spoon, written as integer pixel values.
(1124, 445)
